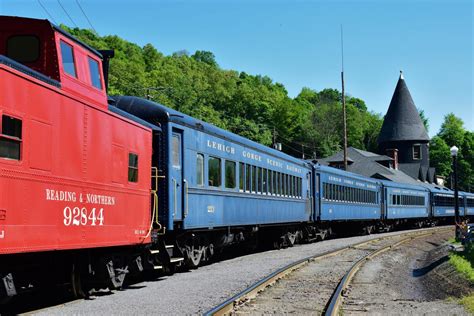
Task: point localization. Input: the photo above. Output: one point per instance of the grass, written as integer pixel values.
(468, 302)
(463, 262)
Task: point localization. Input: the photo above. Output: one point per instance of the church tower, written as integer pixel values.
(403, 135)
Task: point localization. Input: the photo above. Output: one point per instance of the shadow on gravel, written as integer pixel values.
(436, 244)
(423, 271)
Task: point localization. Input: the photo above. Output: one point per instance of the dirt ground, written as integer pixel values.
(415, 278)
(412, 279)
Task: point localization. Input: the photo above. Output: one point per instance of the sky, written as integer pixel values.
(298, 43)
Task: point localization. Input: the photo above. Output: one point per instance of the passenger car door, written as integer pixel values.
(176, 175)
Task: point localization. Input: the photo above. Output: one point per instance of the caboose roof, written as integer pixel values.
(34, 24)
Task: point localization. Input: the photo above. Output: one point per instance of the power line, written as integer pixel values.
(87, 18)
(49, 14)
(65, 11)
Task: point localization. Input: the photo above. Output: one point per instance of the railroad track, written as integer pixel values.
(333, 304)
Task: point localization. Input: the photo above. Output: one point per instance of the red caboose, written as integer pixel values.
(74, 177)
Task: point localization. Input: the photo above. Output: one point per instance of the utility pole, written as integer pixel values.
(343, 101)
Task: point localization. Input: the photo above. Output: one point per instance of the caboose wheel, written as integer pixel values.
(76, 282)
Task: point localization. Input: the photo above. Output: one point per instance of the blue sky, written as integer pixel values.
(297, 43)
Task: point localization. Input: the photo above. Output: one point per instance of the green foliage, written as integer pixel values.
(205, 57)
(452, 130)
(424, 119)
(252, 106)
(452, 133)
(440, 156)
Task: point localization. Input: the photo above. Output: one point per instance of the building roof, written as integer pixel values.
(354, 155)
(402, 121)
(367, 164)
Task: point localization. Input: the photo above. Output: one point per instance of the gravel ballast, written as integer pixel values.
(199, 290)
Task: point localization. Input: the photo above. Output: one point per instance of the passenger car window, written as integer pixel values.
(241, 176)
(254, 179)
(214, 165)
(94, 73)
(132, 167)
(67, 56)
(230, 174)
(23, 48)
(248, 179)
(260, 180)
(11, 138)
(264, 180)
(200, 169)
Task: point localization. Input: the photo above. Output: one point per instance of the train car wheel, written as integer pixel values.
(194, 256)
(76, 282)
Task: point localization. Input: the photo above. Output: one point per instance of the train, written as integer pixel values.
(95, 188)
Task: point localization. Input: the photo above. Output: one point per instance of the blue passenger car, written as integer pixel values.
(468, 203)
(442, 202)
(343, 196)
(214, 178)
(405, 201)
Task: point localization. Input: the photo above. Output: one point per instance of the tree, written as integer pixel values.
(440, 156)
(205, 57)
(452, 130)
(452, 133)
(424, 119)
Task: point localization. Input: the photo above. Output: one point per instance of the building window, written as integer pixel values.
(95, 73)
(67, 56)
(200, 169)
(23, 48)
(230, 174)
(214, 165)
(132, 167)
(10, 138)
(417, 152)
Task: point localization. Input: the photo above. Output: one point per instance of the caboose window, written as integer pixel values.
(214, 165)
(230, 174)
(10, 138)
(95, 73)
(23, 48)
(132, 167)
(67, 56)
(200, 169)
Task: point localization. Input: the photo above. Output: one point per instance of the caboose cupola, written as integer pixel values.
(51, 53)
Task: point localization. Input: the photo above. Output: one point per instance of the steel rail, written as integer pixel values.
(252, 291)
(335, 303)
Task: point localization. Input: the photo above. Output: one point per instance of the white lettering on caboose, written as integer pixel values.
(56, 195)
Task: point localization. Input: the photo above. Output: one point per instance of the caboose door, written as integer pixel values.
(176, 175)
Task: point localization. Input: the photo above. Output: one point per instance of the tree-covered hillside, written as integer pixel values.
(257, 108)
(250, 105)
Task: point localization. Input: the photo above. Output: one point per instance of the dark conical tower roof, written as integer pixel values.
(402, 121)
